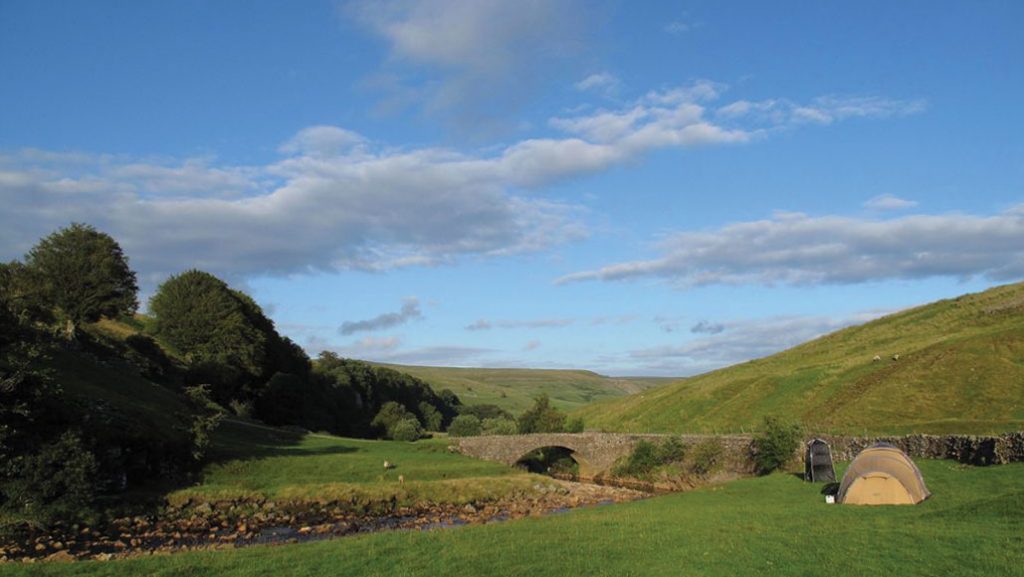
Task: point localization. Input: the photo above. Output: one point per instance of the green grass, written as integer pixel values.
(515, 389)
(252, 462)
(961, 370)
(776, 525)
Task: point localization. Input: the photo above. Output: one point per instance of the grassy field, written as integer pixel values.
(776, 525)
(961, 369)
(253, 462)
(515, 389)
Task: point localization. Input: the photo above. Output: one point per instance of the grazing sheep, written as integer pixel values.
(876, 359)
(387, 465)
(896, 357)
(401, 479)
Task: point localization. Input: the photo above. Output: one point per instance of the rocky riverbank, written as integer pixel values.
(228, 524)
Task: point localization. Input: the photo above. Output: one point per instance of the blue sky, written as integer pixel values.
(634, 188)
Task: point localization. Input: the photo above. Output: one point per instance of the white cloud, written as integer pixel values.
(484, 325)
(410, 311)
(888, 202)
(822, 110)
(479, 51)
(793, 248)
(738, 341)
(322, 141)
(339, 201)
(602, 82)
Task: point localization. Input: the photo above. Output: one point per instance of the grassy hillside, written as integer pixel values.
(960, 369)
(514, 389)
(775, 525)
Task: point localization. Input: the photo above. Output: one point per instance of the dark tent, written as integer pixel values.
(818, 466)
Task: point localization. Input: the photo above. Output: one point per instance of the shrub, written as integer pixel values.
(671, 450)
(499, 426)
(640, 462)
(390, 414)
(574, 425)
(706, 455)
(542, 418)
(775, 445)
(464, 426)
(432, 418)
(407, 429)
(56, 483)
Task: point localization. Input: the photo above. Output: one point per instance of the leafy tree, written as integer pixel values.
(775, 445)
(84, 274)
(574, 425)
(464, 426)
(499, 426)
(542, 417)
(56, 483)
(408, 429)
(485, 411)
(203, 319)
(389, 416)
(432, 418)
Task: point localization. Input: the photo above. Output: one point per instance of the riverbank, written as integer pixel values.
(245, 522)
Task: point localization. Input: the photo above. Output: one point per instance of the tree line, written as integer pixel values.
(210, 344)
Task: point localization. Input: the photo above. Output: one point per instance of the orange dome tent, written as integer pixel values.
(882, 475)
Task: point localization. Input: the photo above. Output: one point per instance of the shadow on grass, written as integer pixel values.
(233, 440)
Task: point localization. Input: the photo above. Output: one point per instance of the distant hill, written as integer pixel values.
(514, 389)
(960, 369)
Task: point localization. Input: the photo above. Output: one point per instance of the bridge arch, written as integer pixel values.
(583, 466)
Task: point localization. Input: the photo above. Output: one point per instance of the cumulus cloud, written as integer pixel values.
(821, 110)
(888, 202)
(410, 311)
(740, 341)
(322, 141)
(602, 82)
(481, 51)
(338, 201)
(794, 248)
(707, 328)
(484, 325)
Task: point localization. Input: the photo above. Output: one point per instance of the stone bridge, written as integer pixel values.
(595, 453)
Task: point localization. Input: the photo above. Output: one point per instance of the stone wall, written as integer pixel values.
(596, 453)
(969, 449)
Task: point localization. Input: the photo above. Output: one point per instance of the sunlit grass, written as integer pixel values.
(776, 525)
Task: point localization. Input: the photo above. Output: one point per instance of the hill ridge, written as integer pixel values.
(960, 368)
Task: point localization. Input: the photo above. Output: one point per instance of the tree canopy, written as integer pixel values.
(84, 274)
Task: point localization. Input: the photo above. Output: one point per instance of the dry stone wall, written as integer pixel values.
(596, 453)
(969, 449)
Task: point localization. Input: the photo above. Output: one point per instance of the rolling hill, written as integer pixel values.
(960, 369)
(514, 389)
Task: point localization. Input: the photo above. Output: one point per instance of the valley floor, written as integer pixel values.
(776, 525)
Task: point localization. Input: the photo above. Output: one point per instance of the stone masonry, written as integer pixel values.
(596, 453)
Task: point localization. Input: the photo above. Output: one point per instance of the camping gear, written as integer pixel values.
(882, 475)
(818, 466)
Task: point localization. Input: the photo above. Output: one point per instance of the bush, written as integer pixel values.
(464, 426)
(390, 414)
(706, 456)
(647, 456)
(542, 418)
(640, 462)
(499, 426)
(406, 430)
(56, 483)
(574, 425)
(671, 450)
(775, 445)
